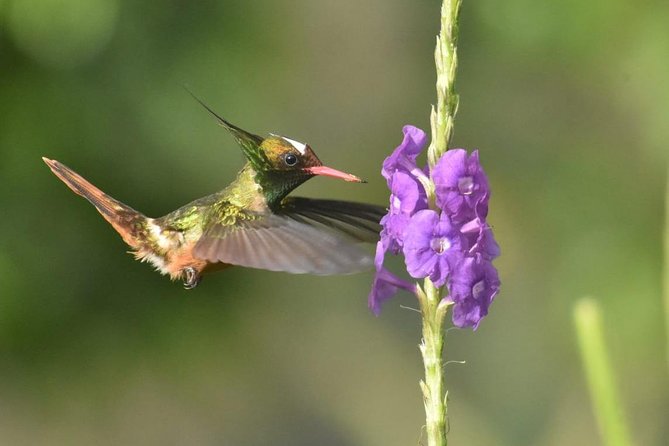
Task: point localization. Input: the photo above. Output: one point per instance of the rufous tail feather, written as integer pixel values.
(129, 223)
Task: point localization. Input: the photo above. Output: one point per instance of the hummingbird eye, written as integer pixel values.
(290, 159)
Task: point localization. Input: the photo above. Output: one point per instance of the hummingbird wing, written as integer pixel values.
(297, 239)
(359, 221)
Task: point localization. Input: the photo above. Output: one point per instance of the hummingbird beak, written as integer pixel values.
(330, 172)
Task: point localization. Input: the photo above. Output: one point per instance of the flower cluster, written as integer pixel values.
(437, 220)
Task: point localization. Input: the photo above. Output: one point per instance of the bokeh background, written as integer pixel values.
(567, 102)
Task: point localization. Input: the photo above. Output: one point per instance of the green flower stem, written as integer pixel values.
(442, 117)
(605, 400)
(431, 348)
(433, 309)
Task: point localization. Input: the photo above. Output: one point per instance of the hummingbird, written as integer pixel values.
(250, 223)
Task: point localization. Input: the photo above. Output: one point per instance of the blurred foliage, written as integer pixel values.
(61, 33)
(566, 102)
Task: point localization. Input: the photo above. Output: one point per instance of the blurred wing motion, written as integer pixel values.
(303, 236)
(359, 221)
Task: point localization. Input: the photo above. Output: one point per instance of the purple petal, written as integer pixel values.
(432, 246)
(385, 286)
(474, 284)
(418, 253)
(486, 245)
(393, 231)
(380, 254)
(407, 194)
(461, 185)
(450, 168)
(404, 156)
(421, 263)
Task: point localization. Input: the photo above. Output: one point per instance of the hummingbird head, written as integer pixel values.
(281, 164)
(284, 156)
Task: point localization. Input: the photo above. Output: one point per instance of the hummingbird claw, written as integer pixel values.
(192, 278)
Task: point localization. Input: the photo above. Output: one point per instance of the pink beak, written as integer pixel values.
(330, 172)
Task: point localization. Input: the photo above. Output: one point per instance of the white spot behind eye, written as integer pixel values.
(299, 146)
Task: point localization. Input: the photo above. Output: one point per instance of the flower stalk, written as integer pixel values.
(442, 120)
(437, 220)
(431, 348)
(442, 117)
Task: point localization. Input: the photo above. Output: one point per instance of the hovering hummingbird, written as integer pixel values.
(252, 222)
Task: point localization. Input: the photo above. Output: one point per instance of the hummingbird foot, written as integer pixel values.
(192, 278)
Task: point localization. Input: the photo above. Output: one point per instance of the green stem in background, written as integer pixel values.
(442, 117)
(605, 400)
(665, 270)
(433, 309)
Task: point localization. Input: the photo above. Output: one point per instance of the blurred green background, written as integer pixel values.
(567, 102)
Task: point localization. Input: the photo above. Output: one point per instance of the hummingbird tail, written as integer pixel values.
(129, 223)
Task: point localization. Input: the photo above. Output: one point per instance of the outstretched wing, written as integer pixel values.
(305, 236)
(359, 221)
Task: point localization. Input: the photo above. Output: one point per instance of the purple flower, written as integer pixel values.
(404, 156)
(432, 246)
(385, 286)
(473, 286)
(461, 186)
(407, 196)
(481, 240)
(451, 243)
